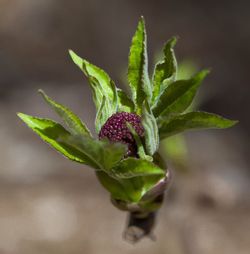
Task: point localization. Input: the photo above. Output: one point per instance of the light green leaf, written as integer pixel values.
(101, 84)
(129, 190)
(137, 187)
(178, 96)
(91, 70)
(136, 177)
(140, 148)
(76, 126)
(151, 130)
(165, 71)
(132, 167)
(102, 115)
(105, 154)
(53, 133)
(124, 102)
(138, 68)
(192, 121)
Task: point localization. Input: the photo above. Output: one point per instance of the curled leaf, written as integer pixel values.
(165, 71)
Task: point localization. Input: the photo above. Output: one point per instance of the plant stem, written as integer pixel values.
(139, 225)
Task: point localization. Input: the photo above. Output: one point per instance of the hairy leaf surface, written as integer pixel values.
(193, 121)
(138, 68)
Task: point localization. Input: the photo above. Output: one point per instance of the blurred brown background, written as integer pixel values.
(50, 205)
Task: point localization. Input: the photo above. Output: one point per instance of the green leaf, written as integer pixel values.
(178, 96)
(165, 71)
(132, 167)
(124, 102)
(138, 68)
(101, 84)
(129, 190)
(76, 126)
(135, 178)
(53, 133)
(105, 154)
(192, 121)
(151, 130)
(140, 148)
(100, 75)
(137, 187)
(114, 186)
(102, 115)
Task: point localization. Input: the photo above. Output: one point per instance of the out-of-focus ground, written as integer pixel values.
(50, 205)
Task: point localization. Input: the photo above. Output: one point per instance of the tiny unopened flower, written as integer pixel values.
(116, 130)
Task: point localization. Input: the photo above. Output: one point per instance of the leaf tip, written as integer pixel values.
(141, 24)
(231, 123)
(173, 40)
(206, 71)
(170, 43)
(43, 94)
(22, 116)
(71, 52)
(201, 75)
(142, 19)
(75, 58)
(19, 114)
(40, 91)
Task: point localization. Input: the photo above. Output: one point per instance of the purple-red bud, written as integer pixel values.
(116, 130)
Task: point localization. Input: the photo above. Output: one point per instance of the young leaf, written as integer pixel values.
(151, 130)
(137, 187)
(165, 71)
(133, 167)
(129, 190)
(101, 84)
(114, 186)
(105, 154)
(138, 68)
(140, 148)
(76, 126)
(52, 133)
(93, 71)
(178, 96)
(101, 115)
(124, 102)
(192, 121)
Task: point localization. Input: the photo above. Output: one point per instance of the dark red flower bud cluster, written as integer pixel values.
(116, 130)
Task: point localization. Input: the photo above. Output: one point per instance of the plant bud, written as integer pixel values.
(116, 130)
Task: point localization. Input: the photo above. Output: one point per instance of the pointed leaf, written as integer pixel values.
(151, 130)
(93, 71)
(53, 133)
(193, 121)
(132, 167)
(178, 96)
(138, 67)
(105, 154)
(165, 71)
(101, 84)
(76, 126)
